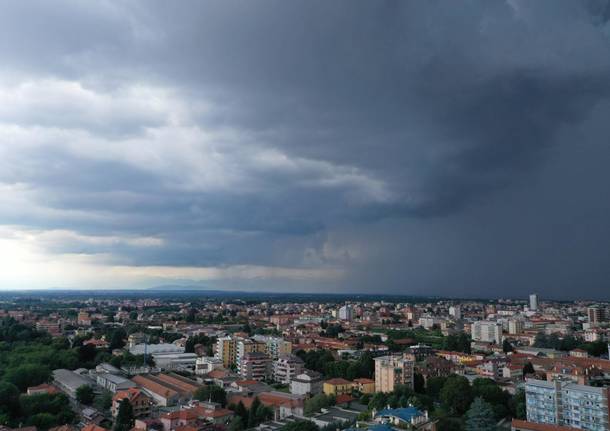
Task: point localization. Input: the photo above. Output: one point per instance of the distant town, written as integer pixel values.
(206, 362)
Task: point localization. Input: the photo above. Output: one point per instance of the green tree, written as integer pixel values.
(434, 386)
(42, 421)
(85, 394)
(517, 405)
(236, 424)
(378, 401)
(493, 394)
(263, 413)
(103, 402)
(419, 383)
(213, 393)
(456, 395)
(480, 416)
(124, 419)
(316, 403)
(242, 412)
(26, 375)
(528, 369)
(506, 346)
(9, 400)
(117, 339)
(252, 419)
(300, 425)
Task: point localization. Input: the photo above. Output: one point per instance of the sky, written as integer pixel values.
(456, 148)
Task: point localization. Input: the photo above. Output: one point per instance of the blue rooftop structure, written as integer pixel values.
(375, 427)
(403, 414)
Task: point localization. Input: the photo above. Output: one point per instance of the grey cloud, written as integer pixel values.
(400, 121)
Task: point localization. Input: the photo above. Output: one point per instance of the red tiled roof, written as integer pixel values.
(344, 399)
(532, 426)
(338, 381)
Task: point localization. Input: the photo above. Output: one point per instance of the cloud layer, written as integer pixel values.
(414, 147)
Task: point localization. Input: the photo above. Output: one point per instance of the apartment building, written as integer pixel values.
(486, 331)
(226, 351)
(567, 404)
(391, 371)
(255, 366)
(245, 346)
(277, 346)
(287, 367)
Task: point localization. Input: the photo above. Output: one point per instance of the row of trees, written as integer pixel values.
(568, 342)
(323, 362)
(249, 418)
(41, 410)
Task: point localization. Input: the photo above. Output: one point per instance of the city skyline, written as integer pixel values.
(412, 148)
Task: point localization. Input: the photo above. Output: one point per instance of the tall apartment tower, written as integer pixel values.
(455, 311)
(393, 370)
(226, 350)
(515, 326)
(346, 312)
(596, 315)
(534, 301)
(487, 331)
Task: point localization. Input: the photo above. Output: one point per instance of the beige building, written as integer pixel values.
(226, 351)
(391, 371)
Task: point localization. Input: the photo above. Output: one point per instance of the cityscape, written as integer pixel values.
(194, 361)
(304, 215)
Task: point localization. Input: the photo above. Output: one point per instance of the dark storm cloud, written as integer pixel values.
(359, 135)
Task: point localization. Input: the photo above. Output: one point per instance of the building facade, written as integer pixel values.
(486, 331)
(391, 371)
(567, 404)
(287, 367)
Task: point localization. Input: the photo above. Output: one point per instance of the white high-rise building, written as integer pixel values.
(346, 312)
(456, 312)
(534, 302)
(487, 331)
(515, 326)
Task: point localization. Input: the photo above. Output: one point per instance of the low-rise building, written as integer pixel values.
(69, 381)
(364, 385)
(114, 382)
(207, 364)
(306, 383)
(337, 386)
(140, 402)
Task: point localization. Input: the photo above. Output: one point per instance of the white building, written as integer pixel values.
(534, 302)
(287, 367)
(175, 361)
(455, 311)
(346, 312)
(151, 349)
(515, 326)
(487, 331)
(207, 364)
(113, 382)
(308, 382)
